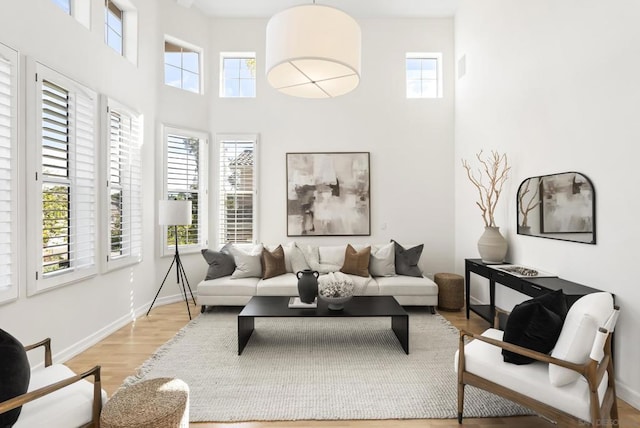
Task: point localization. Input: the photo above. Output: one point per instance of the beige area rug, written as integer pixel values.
(323, 369)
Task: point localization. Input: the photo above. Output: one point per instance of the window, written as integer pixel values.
(62, 231)
(124, 195)
(186, 166)
(79, 9)
(8, 174)
(65, 5)
(238, 75)
(237, 188)
(424, 75)
(182, 66)
(113, 19)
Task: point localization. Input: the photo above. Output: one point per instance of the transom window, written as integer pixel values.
(65, 5)
(238, 75)
(113, 19)
(182, 66)
(424, 75)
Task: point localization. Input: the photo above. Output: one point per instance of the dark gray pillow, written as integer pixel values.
(220, 263)
(15, 374)
(407, 260)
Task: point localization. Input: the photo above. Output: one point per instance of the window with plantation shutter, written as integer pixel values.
(186, 167)
(237, 188)
(63, 189)
(124, 197)
(8, 179)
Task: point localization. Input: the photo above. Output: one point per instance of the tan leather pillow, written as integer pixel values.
(356, 262)
(273, 262)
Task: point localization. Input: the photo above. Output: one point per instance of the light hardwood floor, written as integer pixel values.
(125, 350)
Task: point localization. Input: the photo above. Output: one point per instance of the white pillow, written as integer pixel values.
(297, 261)
(248, 264)
(332, 254)
(578, 333)
(312, 256)
(383, 260)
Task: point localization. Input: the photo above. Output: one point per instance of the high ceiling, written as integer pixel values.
(355, 8)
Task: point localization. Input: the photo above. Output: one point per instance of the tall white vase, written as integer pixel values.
(492, 246)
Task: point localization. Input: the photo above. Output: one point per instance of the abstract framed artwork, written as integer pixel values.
(328, 194)
(567, 204)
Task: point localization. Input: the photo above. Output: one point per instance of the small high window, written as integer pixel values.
(182, 66)
(424, 75)
(65, 5)
(238, 75)
(113, 29)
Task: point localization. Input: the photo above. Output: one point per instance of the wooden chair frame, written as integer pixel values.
(593, 371)
(18, 401)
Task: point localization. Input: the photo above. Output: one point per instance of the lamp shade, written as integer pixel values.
(174, 213)
(313, 51)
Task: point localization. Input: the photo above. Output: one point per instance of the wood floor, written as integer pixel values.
(125, 350)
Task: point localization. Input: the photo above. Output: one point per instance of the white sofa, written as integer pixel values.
(229, 291)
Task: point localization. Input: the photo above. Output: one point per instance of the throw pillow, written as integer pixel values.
(533, 326)
(555, 301)
(312, 256)
(220, 263)
(15, 374)
(273, 262)
(248, 264)
(383, 261)
(298, 262)
(407, 260)
(356, 262)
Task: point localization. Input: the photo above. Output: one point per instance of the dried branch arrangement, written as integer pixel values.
(496, 169)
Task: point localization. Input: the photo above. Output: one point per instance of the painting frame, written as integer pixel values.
(328, 193)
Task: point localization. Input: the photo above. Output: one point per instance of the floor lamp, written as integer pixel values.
(175, 213)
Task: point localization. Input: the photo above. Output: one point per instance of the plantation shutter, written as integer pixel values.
(237, 191)
(8, 211)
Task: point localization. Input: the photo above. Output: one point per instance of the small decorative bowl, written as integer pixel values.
(335, 303)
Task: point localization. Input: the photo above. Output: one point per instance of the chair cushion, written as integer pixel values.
(70, 406)
(15, 373)
(383, 260)
(356, 262)
(220, 263)
(535, 324)
(407, 260)
(273, 262)
(578, 333)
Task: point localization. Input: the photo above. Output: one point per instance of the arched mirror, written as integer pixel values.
(558, 206)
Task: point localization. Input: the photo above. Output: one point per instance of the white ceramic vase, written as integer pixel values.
(492, 246)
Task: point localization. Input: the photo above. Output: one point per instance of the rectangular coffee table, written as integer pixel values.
(358, 306)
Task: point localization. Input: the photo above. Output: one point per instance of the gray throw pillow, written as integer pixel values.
(220, 263)
(248, 264)
(407, 260)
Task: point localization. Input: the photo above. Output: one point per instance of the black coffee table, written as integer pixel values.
(358, 306)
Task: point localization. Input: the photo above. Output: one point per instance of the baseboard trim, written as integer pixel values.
(624, 392)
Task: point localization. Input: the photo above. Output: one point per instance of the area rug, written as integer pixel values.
(322, 369)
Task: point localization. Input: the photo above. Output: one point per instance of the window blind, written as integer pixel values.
(237, 191)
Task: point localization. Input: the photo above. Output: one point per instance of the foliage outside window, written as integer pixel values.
(238, 75)
(181, 66)
(113, 28)
(424, 75)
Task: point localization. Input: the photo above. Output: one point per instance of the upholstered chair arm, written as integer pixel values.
(41, 392)
(46, 343)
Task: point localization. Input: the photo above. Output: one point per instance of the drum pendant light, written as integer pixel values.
(313, 51)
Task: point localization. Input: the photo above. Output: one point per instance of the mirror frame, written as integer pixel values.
(537, 194)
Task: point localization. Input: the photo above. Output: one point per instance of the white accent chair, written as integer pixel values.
(57, 397)
(573, 386)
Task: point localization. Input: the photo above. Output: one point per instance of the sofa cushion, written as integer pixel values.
(584, 318)
(407, 260)
(312, 256)
(273, 262)
(248, 263)
(356, 262)
(298, 261)
(402, 285)
(226, 286)
(281, 285)
(331, 254)
(287, 253)
(220, 262)
(383, 260)
(15, 373)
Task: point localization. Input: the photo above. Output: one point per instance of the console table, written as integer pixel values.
(529, 286)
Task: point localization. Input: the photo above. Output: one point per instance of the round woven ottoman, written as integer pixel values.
(450, 291)
(152, 403)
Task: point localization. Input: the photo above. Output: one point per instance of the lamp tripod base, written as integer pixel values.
(181, 277)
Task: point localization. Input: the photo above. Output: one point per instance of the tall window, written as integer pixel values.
(186, 166)
(124, 233)
(113, 28)
(63, 188)
(8, 174)
(424, 75)
(65, 5)
(237, 192)
(238, 75)
(181, 66)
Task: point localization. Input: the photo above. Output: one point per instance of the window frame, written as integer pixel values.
(131, 187)
(237, 138)
(109, 5)
(437, 56)
(191, 48)
(241, 56)
(11, 292)
(168, 249)
(80, 10)
(37, 281)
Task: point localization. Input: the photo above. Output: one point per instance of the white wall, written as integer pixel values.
(554, 84)
(410, 141)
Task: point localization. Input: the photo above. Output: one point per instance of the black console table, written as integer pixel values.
(529, 286)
